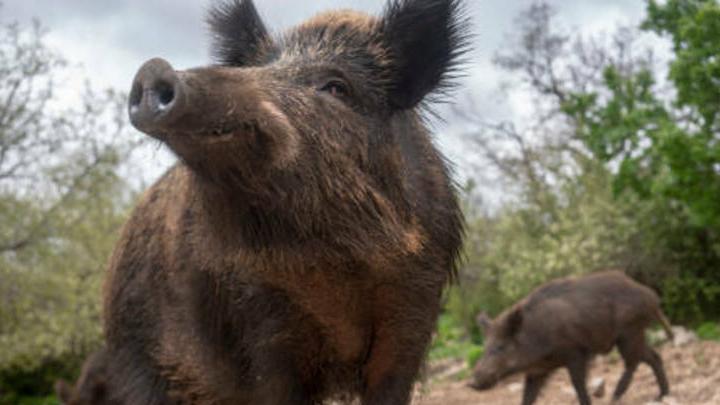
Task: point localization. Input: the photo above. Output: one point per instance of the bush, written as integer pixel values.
(709, 331)
(474, 355)
(35, 387)
(451, 340)
(49, 400)
(690, 299)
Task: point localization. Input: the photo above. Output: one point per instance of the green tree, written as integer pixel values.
(612, 169)
(667, 147)
(62, 202)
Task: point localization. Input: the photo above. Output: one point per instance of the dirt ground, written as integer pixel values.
(693, 371)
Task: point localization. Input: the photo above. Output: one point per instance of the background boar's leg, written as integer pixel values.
(533, 385)
(653, 359)
(632, 347)
(624, 381)
(577, 368)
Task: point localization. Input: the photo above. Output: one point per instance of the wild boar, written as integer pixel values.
(299, 248)
(93, 385)
(565, 322)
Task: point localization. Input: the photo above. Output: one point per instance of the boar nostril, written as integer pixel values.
(156, 97)
(165, 93)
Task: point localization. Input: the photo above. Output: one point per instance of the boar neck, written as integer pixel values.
(294, 222)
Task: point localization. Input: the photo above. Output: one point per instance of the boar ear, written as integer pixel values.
(483, 322)
(63, 391)
(514, 322)
(239, 34)
(426, 38)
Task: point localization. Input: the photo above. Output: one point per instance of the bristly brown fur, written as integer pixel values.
(298, 250)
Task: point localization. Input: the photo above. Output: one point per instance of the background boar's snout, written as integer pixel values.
(156, 97)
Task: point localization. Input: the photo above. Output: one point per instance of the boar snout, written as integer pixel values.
(482, 383)
(157, 96)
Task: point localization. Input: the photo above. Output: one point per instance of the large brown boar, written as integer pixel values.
(298, 250)
(565, 322)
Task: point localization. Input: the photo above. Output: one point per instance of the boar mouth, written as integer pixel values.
(226, 130)
(484, 385)
(221, 132)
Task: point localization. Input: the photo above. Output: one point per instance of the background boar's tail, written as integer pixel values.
(665, 323)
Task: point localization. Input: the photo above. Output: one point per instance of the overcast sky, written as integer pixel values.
(112, 38)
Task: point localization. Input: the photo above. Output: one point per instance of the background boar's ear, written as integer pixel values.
(426, 38)
(513, 321)
(239, 34)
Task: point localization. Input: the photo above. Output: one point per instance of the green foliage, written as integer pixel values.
(49, 400)
(708, 331)
(451, 340)
(694, 27)
(35, 386)
(585, 229)
(668, 154)
(30, 400)
(62, 203)
(616, 167)
(473, 355)
(690, 297)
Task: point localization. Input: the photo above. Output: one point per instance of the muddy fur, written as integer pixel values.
(298, 250)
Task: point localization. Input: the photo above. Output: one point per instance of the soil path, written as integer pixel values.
(693, 372)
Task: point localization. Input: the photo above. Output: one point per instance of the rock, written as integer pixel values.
(670, 401)
(683, 336)
(515, 387)
(664, 401)
(597, 387)
(657, 336)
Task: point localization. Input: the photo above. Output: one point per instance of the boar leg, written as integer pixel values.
(577, 368)
(390, 371)
(402, 332)
(631, 347)
(533, 385)
(624, 381)
(653, 359)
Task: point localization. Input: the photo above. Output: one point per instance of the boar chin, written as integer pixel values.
(481, 384)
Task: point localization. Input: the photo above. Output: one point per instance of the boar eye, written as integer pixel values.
(336, 88)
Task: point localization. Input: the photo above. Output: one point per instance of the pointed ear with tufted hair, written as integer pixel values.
(426, 39)
(239, 34)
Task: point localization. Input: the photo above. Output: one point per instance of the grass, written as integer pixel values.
(708, 331)
(26, 400)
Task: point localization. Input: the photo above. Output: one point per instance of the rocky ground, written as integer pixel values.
(693, 370)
